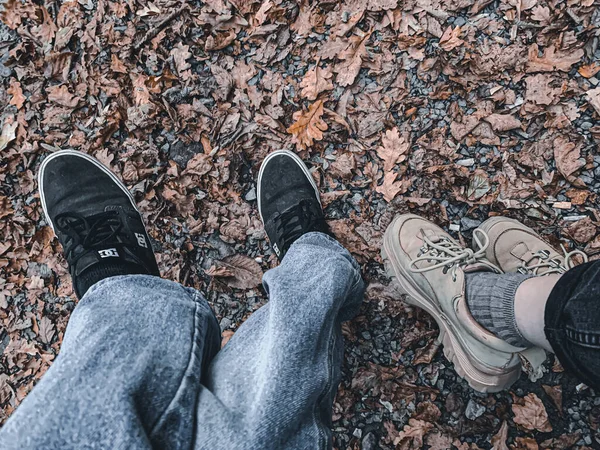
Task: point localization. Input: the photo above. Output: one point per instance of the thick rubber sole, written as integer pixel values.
(479, 377)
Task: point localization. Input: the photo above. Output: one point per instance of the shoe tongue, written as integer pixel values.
(478, 267)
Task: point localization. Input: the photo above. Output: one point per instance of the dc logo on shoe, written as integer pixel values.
(108, 253)
(141, 240)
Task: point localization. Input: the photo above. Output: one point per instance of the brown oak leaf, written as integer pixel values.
(593, 98)
(316, 81)
(567, 156)
(17, 99)
(552, 59)
(451, 39)
(181, 54)
(62, 96)
(46, 330)
(413, 433)
(308, 126)
(237, 271)
(352, 58)
(531, 414)
(390, 187)
(393, 149)
(503, 122)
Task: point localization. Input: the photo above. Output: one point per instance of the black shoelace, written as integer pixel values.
(99, 230)
(296, 221)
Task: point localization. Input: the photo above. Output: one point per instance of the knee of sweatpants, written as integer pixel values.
(573, 322)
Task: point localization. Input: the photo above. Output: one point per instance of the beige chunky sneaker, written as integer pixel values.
(429, 266)
(514, 247)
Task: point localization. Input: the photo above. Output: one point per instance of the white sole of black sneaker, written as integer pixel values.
(87, 157)
(298, 161)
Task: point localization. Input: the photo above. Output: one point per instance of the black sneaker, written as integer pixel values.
(95, 218)
(288, 201)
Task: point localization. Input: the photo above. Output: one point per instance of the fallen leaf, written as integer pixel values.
(390, 187)
(424, 355)
(567, 156)
(531, 414)
(499, 439)
(451, 39)
(523, 443)
(583, 231)
(309, 126)
(503, 122)
(552, 59)
(237, 271)
(17, 99)
(8, 134)
(393, 149)
(589, 70)
(116, 65)
(46, 330)
(540, 89)
(593, 97)
(352, 57)
(565, 442)
(555, 394)
(541, 14)
(62, 96)
(413, 433)
(181, 54)
(316, 81)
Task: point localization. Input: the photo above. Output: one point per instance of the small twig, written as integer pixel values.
(156, 29)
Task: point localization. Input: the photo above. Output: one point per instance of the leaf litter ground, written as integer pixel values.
(455, 110)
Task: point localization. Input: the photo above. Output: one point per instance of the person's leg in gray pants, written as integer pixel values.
(137, 367)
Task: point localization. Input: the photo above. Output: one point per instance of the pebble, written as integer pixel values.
(586, 125)
(467, 162)
(251, 195)
(469, 224)
(369, 442)
(474, 410)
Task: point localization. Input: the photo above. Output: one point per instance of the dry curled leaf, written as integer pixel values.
(8, 134)
(309, 126)
(352, 57)
(499, 439)
(593, 98)
(567, 156)
(552, 59)
(237, 271)
(62, 96)
(17, 99)
(531, 414)
(316, 81)
(46, 331)
(451, 39)
(503, 122)
(555, 394)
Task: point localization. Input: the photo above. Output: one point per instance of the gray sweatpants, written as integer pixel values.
(140, 365)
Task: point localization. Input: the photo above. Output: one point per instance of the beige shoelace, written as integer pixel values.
(547, 265)
(449, 255)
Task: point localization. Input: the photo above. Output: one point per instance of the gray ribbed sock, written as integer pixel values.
(491, 300)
